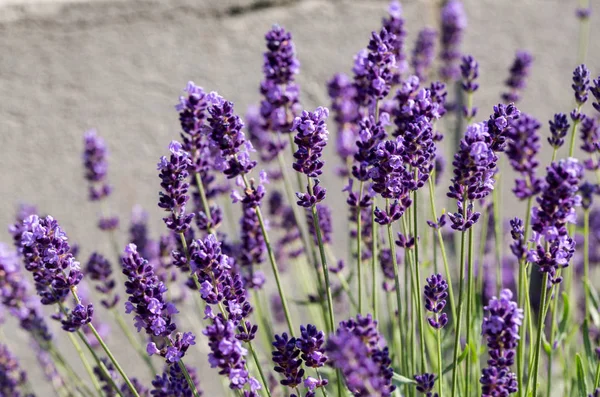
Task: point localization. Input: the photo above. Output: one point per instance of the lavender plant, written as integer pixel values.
(229, 209)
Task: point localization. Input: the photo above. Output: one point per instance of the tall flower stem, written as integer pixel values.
(107, 350)
(133, 340)
(374, 238)
(188, 378)
(271, 254)
(540, 331)
(443, 250)
(458, 317)
(67, 370)
(584, 33)
(439, 358)
(359, 249)
(498, 236)
(470, 312)
(85, 363)
(257, 362)
(396, 283)
(418, 280)
(523, 296)
(317, 227)
(586, 260)
(574, 133)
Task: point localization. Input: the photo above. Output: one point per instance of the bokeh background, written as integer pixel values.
(119, 66)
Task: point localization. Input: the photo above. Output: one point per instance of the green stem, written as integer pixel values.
(396, 283)
(584, 33)
(499, 237)
(444, 256)
(86, 364)
(586, 259)
(188, 378)
(574, 133)
(359, 248)
(273, 262)
(439, 357)
(469, 312)
(100, 364)
(597, 376)
(257, 362)
(133, 340)
(540, 330)
(523, 295)
(418, 280)
(458, 318)
(374, 238)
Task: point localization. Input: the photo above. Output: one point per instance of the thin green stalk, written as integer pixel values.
(374, 238)
(273, 262)
(66, 366)
(396, 283)
(418, 281)
(257, 362)
(597, 376)
(499, 237)
(439, 357)
(359, 248)
(133, 340)
(444, 256)
(540, 330)
(100, 364)
(188, 378)
(586, 259)
(262, 318)
(458, 318)
(469, 312)
(523, 299)
(574, 133)
(584, 33)
(85, 363)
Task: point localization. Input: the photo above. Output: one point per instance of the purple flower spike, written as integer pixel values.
(424, 52)
(474, 168)
(517, 232)
(454, 22)
(469, 69)
(501, 329)
(522, 149)
(581, 84)
(595, 90)
(394, 24)
(311, 138)
(559, 127)
(499, 125)
(590, 137)
(96, 165)
(345, 113)
(587, 191)
(435, 300)
(310, 344)
(516, 81)
(554, 248)
(425, 383)
(287, 362)
(356, 350)
(174, 175)
(173, 383)
(99, 269)
(13, 377)
(279, 89)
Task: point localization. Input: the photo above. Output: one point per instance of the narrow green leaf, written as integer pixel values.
(589, 355)
(564, 318)
(581, 382)
(461, 358)
(400, 380)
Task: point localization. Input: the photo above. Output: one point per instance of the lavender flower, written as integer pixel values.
(99, 269)
(279, 90)
(419, 151)
(499, 124)
(501, 329)
(517, 232)
(474, 167)
(310, 343)
(13, 378)
(173, 175)
(172, 383)
(286, 357)
(587, 191)
(325, 223)
(356, 350)
(262, 140)
(522, 149)
(590, 137)
(394, 24)
(371, 133)
(516, 81)
(556, 207)
(425, 384)
(595, 91)
(454, 21)
(423, 52)
(152, 312)
(253, 248)
(96, 165)
(581, 84)
(469, 69)
(345, 113)
(435, 300)
(559, 127)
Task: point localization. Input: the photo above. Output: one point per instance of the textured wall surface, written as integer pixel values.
(119, 66)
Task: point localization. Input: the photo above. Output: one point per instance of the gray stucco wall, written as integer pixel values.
(119, 66)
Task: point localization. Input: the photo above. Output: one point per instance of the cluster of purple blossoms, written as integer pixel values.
(371, 133)
(554, 248)
(394, 24)
(252, 250)
(374, 69)
(499, 125)
(454, 22)
(590, 137)
(595, 90)
(425, 383)
(47, 254)
(357, 350)
(559, 127)
(279, 90)
(423, 52)
(587, 191)
(174, 182)
(414, 104)
(12, 378)
(522, 149)
(109, 377)
(345, 113)
(516, 81)
(152, 312)
(435, 300)
(311, 138)
(291, 354)
(96, 167)
(325, 224)
(419, 151)
(173, 383)
(501, 329)
(99, 269)
(581, 85)
(226, 136)
(517, 232)
(474, 168)
(227, 353)
(262, 140)
(469, 70)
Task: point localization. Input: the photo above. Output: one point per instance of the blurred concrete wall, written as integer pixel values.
(119, 66)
